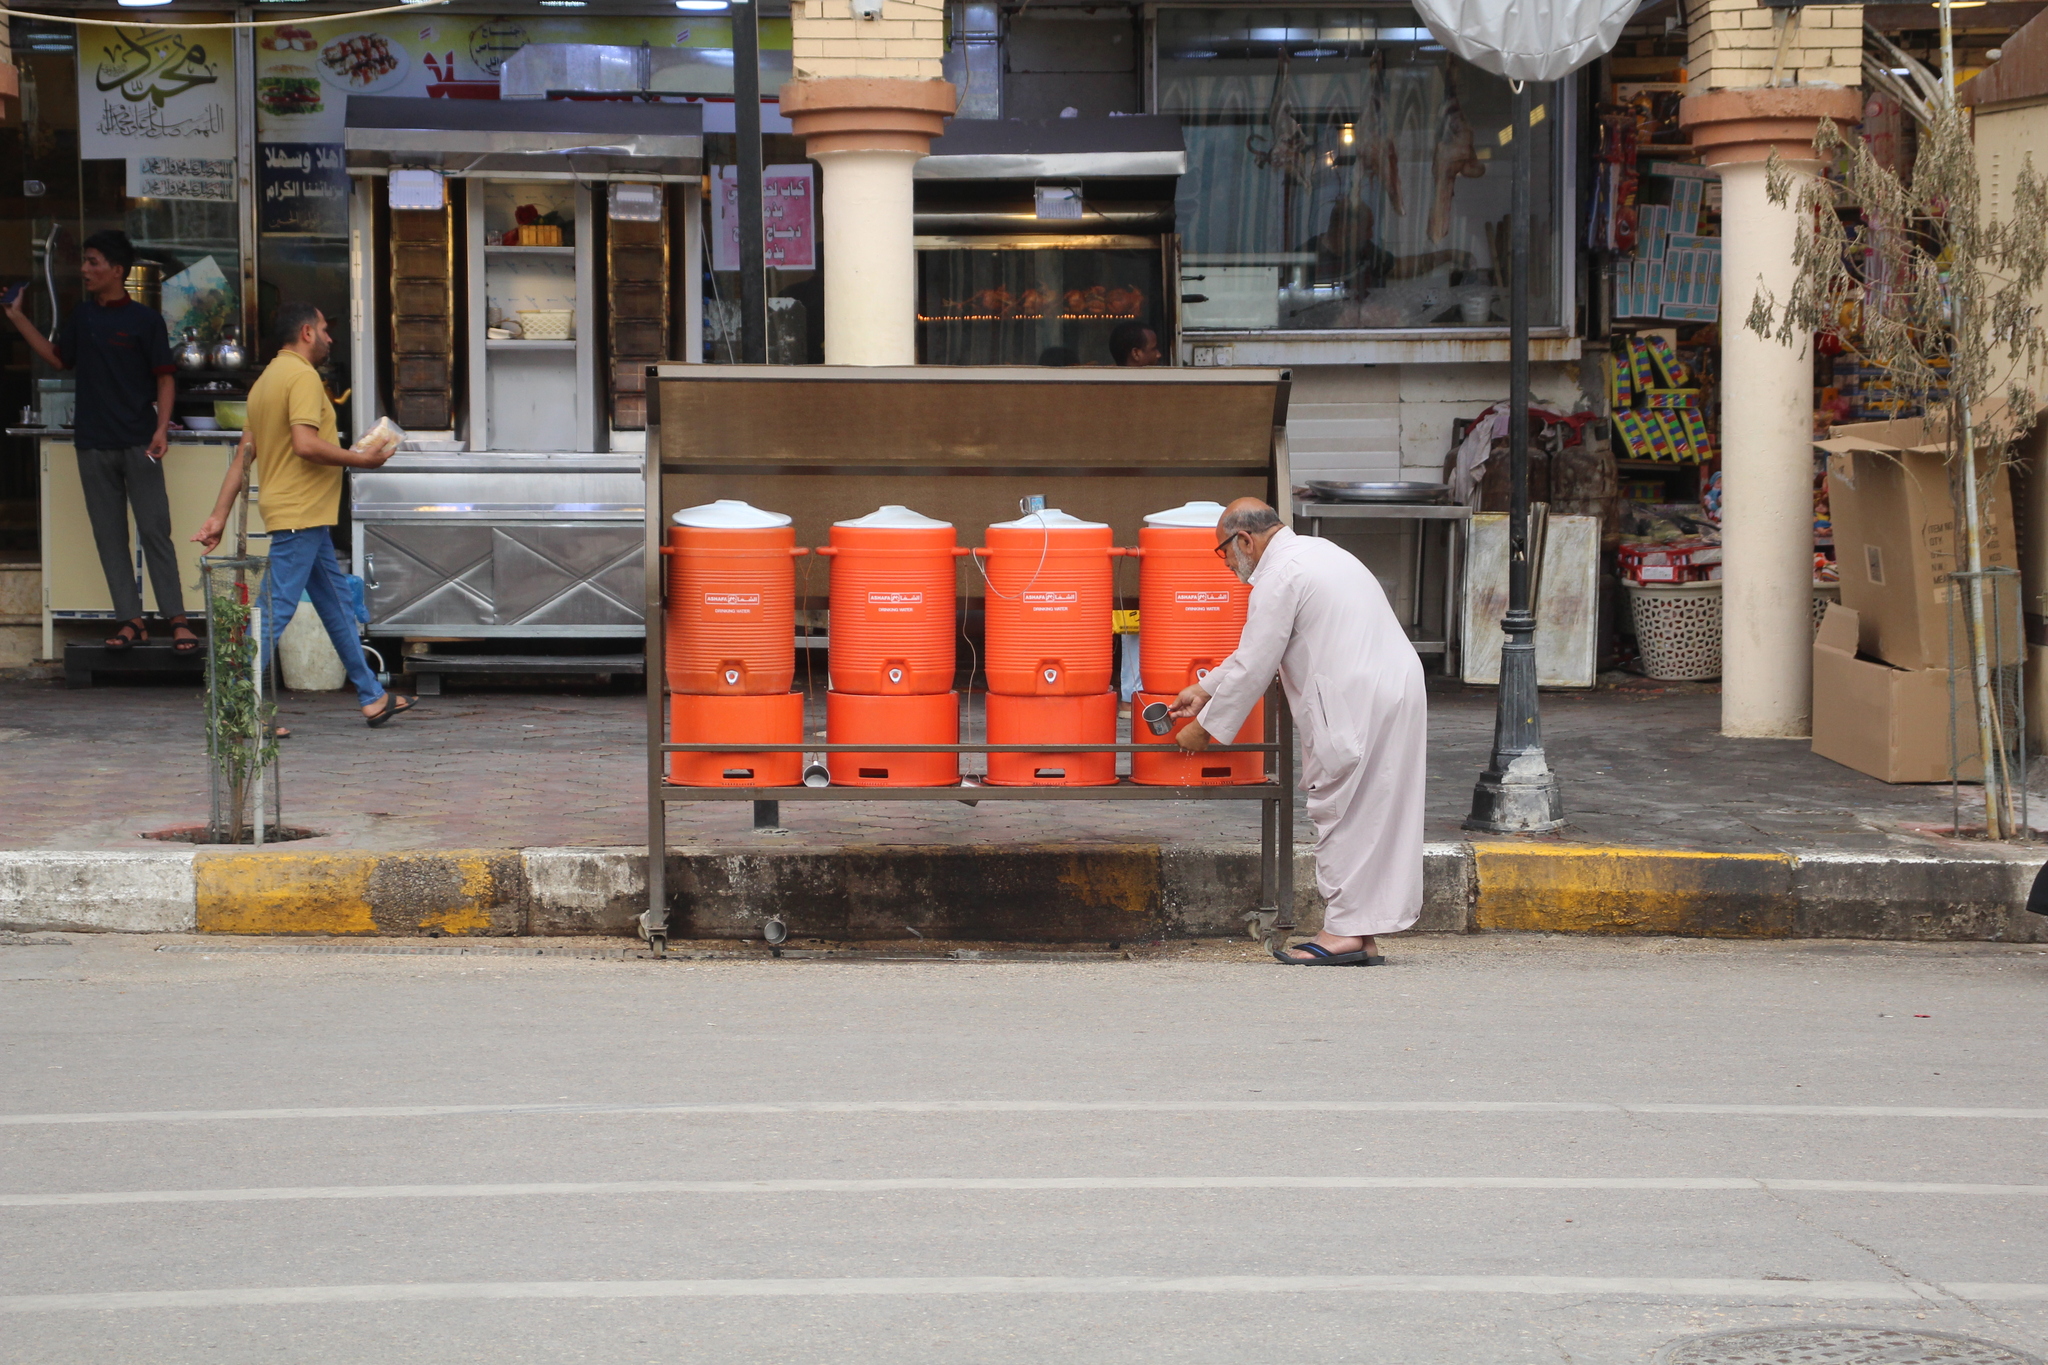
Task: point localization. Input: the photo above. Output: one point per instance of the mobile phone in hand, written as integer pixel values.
(12, 298)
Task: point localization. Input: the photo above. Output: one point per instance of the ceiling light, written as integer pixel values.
(564, 4)
(143, 4)
(1333, 52)
(701, 6)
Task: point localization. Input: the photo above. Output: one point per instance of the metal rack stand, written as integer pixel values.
(768, 432)
(1456, 521)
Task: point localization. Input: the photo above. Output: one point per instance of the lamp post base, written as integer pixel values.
(1519, 797)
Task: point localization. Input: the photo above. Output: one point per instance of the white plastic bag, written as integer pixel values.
(385, 435)
(1527, 40)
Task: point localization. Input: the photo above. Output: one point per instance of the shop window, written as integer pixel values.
(1346, 173)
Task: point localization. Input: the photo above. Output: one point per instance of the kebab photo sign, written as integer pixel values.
(1523, 40)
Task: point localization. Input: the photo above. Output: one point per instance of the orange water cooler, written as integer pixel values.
(1050, 653)
(1191, 611)
(731, 644)
(893, 599)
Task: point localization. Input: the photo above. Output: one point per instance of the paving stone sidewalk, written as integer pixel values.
(98, 768)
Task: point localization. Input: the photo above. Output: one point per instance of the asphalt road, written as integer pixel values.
(1492, 1150)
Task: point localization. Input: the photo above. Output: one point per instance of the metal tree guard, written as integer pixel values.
(241, 748)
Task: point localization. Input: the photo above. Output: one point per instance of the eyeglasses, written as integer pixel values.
(1223, 548)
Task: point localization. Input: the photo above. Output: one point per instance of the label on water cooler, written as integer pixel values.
(895, 603)
(727, 604)
(1201, 601)
(1051, 601)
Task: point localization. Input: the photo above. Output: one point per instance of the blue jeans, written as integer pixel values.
(304, 562)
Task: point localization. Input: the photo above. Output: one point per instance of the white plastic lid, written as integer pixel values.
(1203, 514)
(729, 514)
(895, 516)
(1050, 519)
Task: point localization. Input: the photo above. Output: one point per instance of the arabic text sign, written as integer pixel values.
(163, 95)
(301, 187)
(787, 222)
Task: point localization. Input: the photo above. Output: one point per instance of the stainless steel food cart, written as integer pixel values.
(964, 444)
(517, 267)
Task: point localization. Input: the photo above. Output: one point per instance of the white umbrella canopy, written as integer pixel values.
(1527, 40)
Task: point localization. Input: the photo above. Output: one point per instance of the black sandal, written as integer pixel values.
(128, 635)
(188, 643)
(1323, 957)
(394, 705)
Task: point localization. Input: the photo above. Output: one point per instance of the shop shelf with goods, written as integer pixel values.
(534, 316)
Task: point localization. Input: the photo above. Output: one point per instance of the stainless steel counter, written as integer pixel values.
(178, 435)
(482, 544)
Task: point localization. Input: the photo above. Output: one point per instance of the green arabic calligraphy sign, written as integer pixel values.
(153, 64)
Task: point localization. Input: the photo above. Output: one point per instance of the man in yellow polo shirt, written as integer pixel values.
(290, 429)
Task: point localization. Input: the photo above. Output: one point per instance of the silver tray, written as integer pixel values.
(1379, 492)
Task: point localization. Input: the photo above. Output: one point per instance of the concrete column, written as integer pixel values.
(867, 134)
(1766, 478)
(1766, 410)
(870, 265)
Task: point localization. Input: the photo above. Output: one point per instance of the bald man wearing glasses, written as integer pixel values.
(1322, 622)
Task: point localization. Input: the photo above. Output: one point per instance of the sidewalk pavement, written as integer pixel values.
(501, 811)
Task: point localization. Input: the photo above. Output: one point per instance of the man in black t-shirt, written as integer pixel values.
(122, 357)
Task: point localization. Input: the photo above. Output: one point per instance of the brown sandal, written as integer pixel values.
(184, 640)
(129, 635)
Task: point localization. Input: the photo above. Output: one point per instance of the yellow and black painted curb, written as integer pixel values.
(463, 891)
(1052, 893)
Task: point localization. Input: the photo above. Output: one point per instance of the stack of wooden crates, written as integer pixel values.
(636, 269)
(423, 318)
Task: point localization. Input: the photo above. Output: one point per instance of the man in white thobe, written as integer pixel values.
(1354, 683)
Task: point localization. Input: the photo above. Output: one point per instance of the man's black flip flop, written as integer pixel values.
(394, 705)
(1324, 957)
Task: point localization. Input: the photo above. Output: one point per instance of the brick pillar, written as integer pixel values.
(868, 100)
(1736, 117)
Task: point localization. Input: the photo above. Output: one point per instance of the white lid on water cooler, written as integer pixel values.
(729, 514)
(1050, 519)
(1203, 514)
(895, 517)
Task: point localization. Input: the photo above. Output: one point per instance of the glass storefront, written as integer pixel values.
(1031, 303)
(1345, 172)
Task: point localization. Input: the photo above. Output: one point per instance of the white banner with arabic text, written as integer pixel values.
(162, 100)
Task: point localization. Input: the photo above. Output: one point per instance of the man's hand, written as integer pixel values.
(1192, 737)
(210, 533)
(1190, 700)
(159, 444)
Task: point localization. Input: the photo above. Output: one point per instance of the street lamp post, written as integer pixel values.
(1518, 793)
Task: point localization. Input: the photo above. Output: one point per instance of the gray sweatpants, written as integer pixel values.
(114, 481)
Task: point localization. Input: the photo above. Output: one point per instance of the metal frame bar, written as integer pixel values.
(1272, 919)
(1456, 520)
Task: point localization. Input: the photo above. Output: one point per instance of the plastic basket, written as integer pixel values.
(1824, 593)
(1678, 629)
(546, 324)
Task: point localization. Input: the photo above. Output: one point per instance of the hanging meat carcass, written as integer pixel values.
(1455, 159)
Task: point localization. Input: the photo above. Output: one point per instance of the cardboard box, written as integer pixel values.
(1889, 722)
(1898, 534)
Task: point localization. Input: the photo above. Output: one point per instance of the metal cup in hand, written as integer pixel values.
(1157, 719)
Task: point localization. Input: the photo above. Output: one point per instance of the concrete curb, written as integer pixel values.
(1048, 893)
